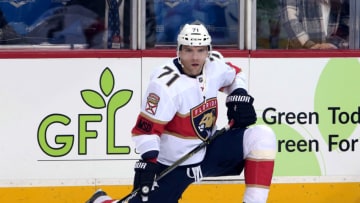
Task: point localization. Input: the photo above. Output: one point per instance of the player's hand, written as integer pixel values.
(240, 108)
(145, 173)
(327, 46)
(323, 46)
(316, 46)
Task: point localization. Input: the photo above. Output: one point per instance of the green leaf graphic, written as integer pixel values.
(336, 100)
(292, 163)
(107, 82)
(119, 99)
(93, 99)
(338, 89)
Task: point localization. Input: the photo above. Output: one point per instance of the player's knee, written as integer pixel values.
(261, 143)
(266, 135)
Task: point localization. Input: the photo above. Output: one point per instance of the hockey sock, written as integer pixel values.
(110, 201)
(104, 199)
(258, 175)
(258, 172)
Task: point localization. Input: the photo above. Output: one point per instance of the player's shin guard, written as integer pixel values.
(259, 163)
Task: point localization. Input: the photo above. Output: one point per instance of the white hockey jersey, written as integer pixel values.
(179, 112)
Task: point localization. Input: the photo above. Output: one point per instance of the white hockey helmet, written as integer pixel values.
(194, 35)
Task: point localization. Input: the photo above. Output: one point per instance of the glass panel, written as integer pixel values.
(75, 23)
(221, 17)
(354, 39)
(119, 24)
(269, 33)
(304, 24)
(150, 24)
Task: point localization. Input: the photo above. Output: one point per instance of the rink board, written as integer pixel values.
(204, 193)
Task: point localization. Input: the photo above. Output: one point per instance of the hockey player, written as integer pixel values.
(179, 111)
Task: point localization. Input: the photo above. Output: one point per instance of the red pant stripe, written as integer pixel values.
(258, 172)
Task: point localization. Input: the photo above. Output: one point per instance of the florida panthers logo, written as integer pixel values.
(207, 121)
(203, 118)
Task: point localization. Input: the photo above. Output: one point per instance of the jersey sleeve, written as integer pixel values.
(238, 82)
(233, 78)
(157, 109)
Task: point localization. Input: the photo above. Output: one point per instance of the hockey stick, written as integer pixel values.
(179, 161)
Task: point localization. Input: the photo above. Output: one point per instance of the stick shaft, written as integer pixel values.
(179, 161)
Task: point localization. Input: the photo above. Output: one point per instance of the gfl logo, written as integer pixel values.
(94, 100)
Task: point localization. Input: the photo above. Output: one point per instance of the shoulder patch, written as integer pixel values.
(152, 103)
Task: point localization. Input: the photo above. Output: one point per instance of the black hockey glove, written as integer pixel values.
(145, 173)
(240, 108)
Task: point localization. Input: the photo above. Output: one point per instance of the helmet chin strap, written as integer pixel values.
(178, 56)
(182, 66)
